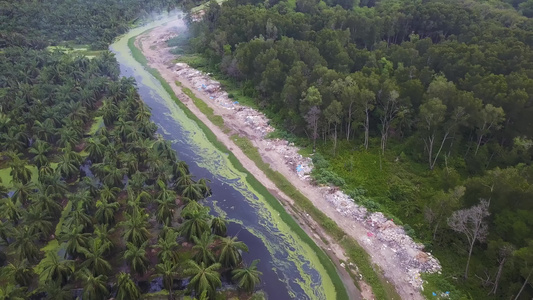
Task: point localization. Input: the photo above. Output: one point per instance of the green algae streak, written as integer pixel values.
(271, 215)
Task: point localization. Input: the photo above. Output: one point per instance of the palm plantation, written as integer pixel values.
(83, 203)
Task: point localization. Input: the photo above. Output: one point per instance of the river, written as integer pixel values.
(290, 266)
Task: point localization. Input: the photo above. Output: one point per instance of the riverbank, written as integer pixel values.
(326, 268)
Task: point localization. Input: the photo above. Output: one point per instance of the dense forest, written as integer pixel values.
(93, 204)
(420, 109)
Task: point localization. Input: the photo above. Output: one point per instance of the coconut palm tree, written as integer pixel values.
(137, 181)
(19, 170)
(22, 192)
(96, 149)
(165, 210)
(136, 258)
(38, 221)
(13, 292)
(229, 255)
(25, 245)
(113, 176)
(168, 270)
(203, 278)
(14, 139)
(127, 289)
(10, 210)
(135, 228)
(46, 171)
(95, 257)
(105, 211)
(103, 234)
(218, 226)
(52, 182)
(92, 185)
(45, 130)
(123, 128)
(203, 249)
(55, 291)
(75, 238)
(19, 270)
(167, 246)
(191, 207)
(54, 269)
(195, 224)
(109, 193)
(68, 166)
(94, 287)
(68, 137)
(247, 278)
(78, 217)
(40, 151)
(46, 203)
(193, 191)
(6, 231)
(129, 162)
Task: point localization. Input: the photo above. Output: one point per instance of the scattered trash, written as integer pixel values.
(369, 234)
(434, 294)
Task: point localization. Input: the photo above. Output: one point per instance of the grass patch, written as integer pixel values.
(204, 108)
(98, 122)
(254, 183)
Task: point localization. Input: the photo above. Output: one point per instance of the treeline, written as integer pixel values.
(96, 23)
(445, 84)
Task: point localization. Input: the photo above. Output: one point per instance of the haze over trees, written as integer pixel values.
(418, 109)
(92, 201)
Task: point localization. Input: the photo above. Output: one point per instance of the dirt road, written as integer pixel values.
(153, 45)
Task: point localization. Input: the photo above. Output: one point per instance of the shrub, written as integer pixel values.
(319, 161)
(324, 176)
(409, 230)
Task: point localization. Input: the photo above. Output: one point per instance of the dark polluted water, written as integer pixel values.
(291, 269)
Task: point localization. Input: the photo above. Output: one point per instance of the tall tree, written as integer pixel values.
(247, 278)
(471, 222)
(230, 248)
(94, 287)
(204, 253)
(525, 254)
(310, 106)
(169, 271)
(333, 115)
(136, 258)
(487, 119)
(203, 278)
(127, 289)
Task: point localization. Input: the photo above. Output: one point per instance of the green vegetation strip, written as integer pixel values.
(324, 259)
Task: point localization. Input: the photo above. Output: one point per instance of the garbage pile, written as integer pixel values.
(301, 165)
(383, 232)
(212, 88)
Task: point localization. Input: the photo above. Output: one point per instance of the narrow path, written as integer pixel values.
(155, 50)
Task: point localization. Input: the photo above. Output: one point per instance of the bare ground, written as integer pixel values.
(154, 47)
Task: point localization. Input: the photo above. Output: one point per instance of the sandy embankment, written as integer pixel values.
(398, 266)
